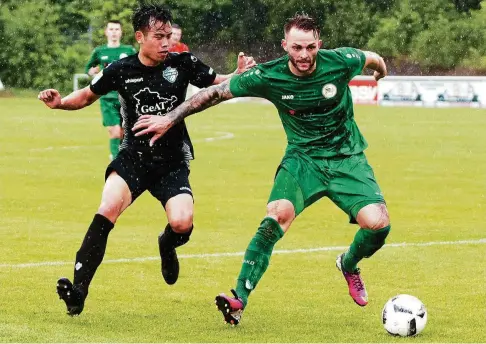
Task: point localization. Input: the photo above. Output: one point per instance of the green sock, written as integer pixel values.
(257, 257)
(365, 243)
(114, 147)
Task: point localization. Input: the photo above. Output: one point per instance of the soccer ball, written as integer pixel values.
(404, 315)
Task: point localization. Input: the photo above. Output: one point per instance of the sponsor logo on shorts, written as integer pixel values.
(185, 188)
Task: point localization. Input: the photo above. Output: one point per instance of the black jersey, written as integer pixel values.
(155, 90)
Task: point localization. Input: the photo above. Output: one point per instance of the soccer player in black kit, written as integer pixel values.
(153, 82)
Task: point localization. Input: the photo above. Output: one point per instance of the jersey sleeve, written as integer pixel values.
(354, 59)
(248, 84)
(200, 74)
(105, 81)
(93, 61)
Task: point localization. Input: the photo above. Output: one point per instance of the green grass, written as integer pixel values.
(430, 163)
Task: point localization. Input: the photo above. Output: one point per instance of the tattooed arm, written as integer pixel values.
(159, 125)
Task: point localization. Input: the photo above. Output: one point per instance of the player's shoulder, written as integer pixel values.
(341, 52)
(270, 67)
(128, 47)
(182, 59)
(123, 64)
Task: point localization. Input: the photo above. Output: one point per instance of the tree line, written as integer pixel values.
(44, 42)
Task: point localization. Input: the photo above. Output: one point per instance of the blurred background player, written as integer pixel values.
(100, 58)
(176, 45)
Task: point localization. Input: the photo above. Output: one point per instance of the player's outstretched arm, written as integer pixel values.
(159, 125)
(375, 62)
(243, 64)
(74, 101)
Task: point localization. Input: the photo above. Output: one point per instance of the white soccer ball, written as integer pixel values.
(404, 315)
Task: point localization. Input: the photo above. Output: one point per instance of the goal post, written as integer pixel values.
(77, 78)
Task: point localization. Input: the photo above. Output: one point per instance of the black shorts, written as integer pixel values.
(141, 171)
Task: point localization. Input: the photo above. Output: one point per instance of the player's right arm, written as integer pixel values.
(92, 67)
(250, 83)
(74, 101)
(375, 62)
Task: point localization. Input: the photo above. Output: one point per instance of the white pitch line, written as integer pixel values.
(240, 254)
(222, 135)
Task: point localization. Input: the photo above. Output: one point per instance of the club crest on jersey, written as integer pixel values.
(329, 91)
(170, 74)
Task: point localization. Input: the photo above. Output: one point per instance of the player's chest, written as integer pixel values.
(308, 94)
(156, 92)
(108, 56)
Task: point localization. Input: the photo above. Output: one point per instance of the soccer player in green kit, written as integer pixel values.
(100, 58)
(324, 155)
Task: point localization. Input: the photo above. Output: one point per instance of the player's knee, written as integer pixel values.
(282, 211)
(110, 210)
(181, 222)
(373, 216)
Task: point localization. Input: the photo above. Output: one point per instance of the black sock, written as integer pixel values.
(92, 251)
(171, 239)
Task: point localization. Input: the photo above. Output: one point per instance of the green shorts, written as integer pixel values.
(110, 111)
(348, 181)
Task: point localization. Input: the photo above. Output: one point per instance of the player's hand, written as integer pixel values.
(152, 124)
(377, 75)
(93, 71)
(244, 63)
(50, 97)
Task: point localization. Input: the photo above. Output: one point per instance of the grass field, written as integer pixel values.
(430, 163)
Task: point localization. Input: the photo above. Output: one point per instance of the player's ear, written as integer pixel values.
(139, 37)
(319, 44)
(284, 45)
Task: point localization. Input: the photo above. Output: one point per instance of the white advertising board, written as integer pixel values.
(437, 91)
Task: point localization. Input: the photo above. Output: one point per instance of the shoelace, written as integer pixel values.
(356, 280)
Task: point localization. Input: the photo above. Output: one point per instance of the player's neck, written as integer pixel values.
(296, 72)
(148, 61)
(113, 44)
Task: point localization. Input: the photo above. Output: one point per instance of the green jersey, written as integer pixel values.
(316, 110)
(103, 55)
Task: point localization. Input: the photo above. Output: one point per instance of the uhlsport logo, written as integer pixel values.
(150, 102)
(170, 74)
(329, 90)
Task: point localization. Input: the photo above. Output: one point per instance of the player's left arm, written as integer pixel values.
(375, 62)
(244, 63)
(202, 100)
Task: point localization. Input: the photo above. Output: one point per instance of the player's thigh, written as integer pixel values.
(116, 197)
(298, 183)
(353, 185)
(170, 185)
(130, 166)
(110, 112)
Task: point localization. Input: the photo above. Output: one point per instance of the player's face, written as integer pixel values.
(176, 35)
(113, 32)
(155, 42)
(302, 47)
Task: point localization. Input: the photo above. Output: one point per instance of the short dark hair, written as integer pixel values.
(146, 14)
(302, 21)
(113, 21)
(176, 26)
